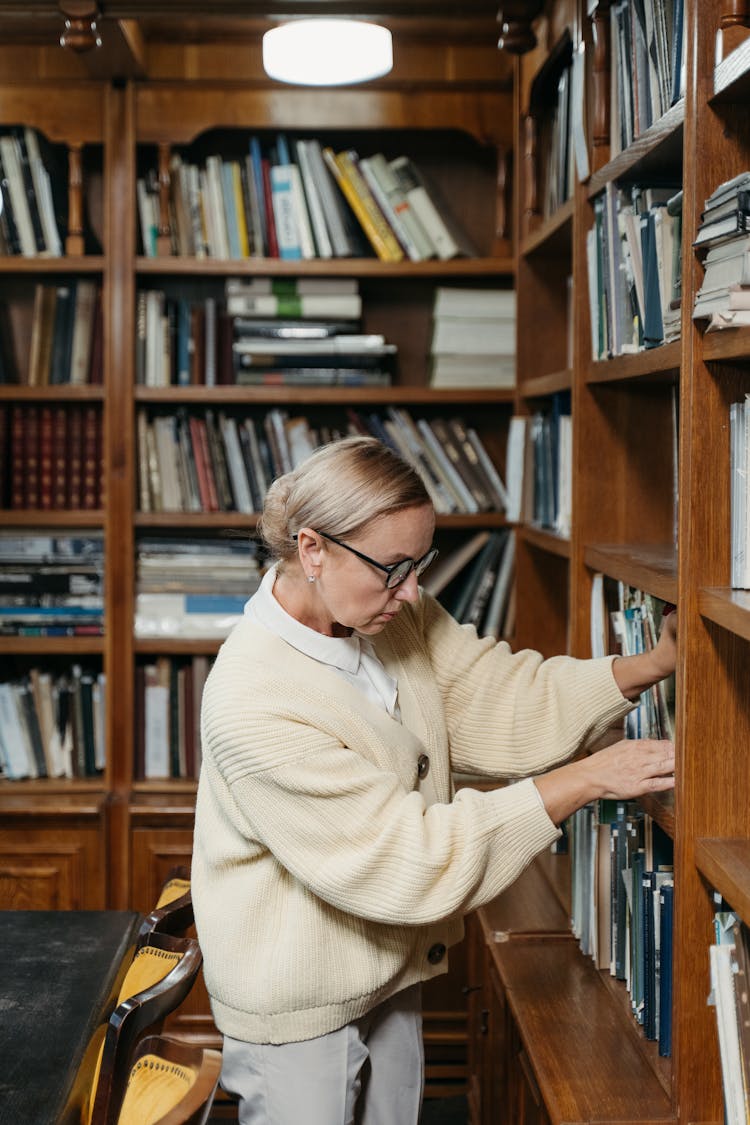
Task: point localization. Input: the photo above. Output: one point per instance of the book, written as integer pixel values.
(448, 566)
(343, 165)
(285, 212)
(345, 306)
(446, 238)
(406, 222)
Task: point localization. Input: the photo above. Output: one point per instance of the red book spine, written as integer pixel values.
(60, 458)
(273, 243)
(46, 454)
(90, 460)
(75, 448)
(213, 492)
(17, 498)
(31, 457)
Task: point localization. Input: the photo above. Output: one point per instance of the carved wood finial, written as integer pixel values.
(80, 32)
(515, 18)
(736, 14)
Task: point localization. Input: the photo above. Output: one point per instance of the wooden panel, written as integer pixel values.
(175, 115)
(55, 869)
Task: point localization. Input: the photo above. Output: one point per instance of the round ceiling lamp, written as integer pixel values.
(327, 52)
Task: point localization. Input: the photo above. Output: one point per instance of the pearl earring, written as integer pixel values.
(311, 578)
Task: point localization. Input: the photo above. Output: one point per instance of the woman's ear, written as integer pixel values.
(310, 550)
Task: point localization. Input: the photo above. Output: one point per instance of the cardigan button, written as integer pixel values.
(423, 766)
(436, 953)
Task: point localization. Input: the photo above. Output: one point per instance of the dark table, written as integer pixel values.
(60, 972)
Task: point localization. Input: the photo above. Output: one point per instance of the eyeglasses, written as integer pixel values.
(396, 572)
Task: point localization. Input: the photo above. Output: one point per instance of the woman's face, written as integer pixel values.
(352, 591)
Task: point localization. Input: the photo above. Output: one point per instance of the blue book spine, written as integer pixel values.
(256, 160)
(183, 342)
(666, 902)
(214, 603)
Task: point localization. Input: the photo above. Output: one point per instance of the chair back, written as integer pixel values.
(170, 1083)
(159, 978)
(173, 913)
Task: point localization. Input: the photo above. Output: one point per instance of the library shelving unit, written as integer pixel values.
(559, 1030)
(449, 109)
(451, 133)
(53, 840)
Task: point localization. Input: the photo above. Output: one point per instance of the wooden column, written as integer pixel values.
(163, 235)
(74, 240)
(600, 94)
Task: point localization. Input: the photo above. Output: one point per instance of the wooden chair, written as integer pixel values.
(163, 970)
(170, 1083)
(173, 913)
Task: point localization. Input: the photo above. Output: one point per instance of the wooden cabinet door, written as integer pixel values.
(53, 864)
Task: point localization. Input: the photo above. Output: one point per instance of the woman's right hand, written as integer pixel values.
(629, 768)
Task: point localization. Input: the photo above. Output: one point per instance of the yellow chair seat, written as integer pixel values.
(155, 1086)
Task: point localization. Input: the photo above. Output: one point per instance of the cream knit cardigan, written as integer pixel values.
(320, 878)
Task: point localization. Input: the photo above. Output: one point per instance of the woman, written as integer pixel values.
(333, 862)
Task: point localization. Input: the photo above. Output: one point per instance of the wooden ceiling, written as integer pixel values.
(134, 34)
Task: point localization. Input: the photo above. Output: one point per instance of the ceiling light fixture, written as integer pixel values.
(327, 52)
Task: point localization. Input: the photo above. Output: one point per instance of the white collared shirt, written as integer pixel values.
(353, 658)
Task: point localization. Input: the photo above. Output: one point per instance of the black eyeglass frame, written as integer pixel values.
(396, 573)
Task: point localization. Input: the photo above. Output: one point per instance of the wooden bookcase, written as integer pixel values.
(451, 111)
(624, 526)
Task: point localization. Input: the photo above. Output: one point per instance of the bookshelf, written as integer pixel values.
(109, 841)
(625, 526)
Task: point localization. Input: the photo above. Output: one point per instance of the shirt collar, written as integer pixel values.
(339, 652)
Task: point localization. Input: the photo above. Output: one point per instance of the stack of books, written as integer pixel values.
(473, 338)
(207, 461)
(723, 299)
(51, 585)
(475, 582)
(177, 580)
(52, 724)
(730, 994)
(51, 457)
(30, 215)
(648, 65)
(539, 467)
(634, 269)
(299, 199)
(304, 332)
(58, 340)
(168, 693)
(622, 895)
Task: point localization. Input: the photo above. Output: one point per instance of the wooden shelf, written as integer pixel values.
(730, 343)
(732, 76)
(324, 267)
(545, 540)
(549, 987)
(725, 864)
(662, 1067)
(726, 607)
(660, 807)
(52, 646)
(311, 396)
(648, 567)
(177, 646)
(91, 264)
(661, 363)
(553, 235)
(45, 517)
(656, 150)
(79, 797)
(64, 393)
(527, 907)
(541, 385)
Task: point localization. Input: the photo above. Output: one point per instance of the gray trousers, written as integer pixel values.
(370, 1072)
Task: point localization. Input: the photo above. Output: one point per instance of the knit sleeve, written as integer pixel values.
(515, 714)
